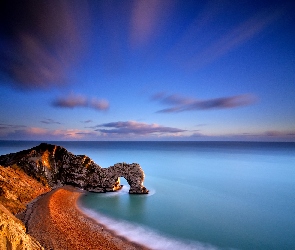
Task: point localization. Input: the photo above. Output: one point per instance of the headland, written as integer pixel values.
(39, 190)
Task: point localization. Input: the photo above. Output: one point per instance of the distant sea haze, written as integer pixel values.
(203, 195)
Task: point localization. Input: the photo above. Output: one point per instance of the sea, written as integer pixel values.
(203, 195)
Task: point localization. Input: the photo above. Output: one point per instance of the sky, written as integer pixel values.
(147, 70)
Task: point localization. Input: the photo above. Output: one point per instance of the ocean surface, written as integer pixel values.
(203, 195)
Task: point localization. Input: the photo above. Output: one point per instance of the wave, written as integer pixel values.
(143, 235)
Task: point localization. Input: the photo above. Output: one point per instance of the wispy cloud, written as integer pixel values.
(235, 37)
(178, 103)
(87, 121)
(49, 121)
(192, 37)
(99, 104)
(42, 41)
(24, 132)
(269, 135)
(10, 126)
(73, 134)
(6, 129)
(136, 128)
(131, 130)
(73, 101)
(174, 99)
(38, 133)
(200, 45)
(148, 18)
(277, 133)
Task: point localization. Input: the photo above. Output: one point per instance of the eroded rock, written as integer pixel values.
(13, 233)
(55, 166)
(17, 188)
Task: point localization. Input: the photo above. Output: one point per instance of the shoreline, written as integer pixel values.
(56, 221)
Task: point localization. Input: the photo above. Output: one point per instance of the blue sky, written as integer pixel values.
(147, 70)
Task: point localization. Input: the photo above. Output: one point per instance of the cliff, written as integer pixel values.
(17, 188)
(13, 233)
(28, 174)
(54, 166)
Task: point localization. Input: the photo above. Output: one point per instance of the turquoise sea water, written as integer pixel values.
(203, 195)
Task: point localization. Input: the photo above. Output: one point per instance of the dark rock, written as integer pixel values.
(55, 166)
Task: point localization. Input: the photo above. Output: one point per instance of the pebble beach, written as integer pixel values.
(55, 220)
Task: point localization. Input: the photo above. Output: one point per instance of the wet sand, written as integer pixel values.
(57, 223)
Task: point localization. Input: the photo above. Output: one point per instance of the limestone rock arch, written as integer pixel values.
(133, 174)
(55, 166)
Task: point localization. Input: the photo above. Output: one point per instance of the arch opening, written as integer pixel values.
(120, 183)
(132, 173)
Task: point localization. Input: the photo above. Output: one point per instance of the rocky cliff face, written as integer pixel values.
(54, 166)
(13, 233)
(17, 188)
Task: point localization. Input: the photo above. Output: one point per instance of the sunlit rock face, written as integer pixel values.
(55, 166)
(13, 233)
(17, 189)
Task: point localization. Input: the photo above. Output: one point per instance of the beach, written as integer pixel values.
(200, 195)
(55, 220)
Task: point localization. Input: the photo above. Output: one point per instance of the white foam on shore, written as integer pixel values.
(143, 235)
